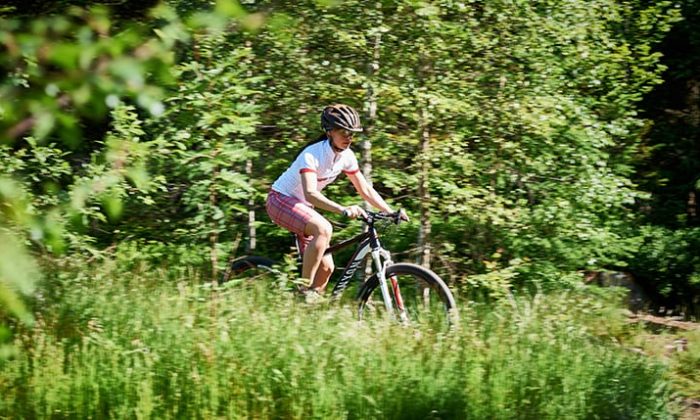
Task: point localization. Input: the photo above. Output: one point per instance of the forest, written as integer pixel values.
(544, 150)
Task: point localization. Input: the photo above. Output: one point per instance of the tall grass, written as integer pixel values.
(144, 345)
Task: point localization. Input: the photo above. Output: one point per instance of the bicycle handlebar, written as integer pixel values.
(374, 216)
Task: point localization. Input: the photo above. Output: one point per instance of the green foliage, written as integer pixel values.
(114, 342)
(18, 274)
(668, 264)
(66, 67)
(199, 186)
(65, 73)
(687, 366)
(679, 350)
(530, 111)
(668, 166)
(212, 117)
(60, 71)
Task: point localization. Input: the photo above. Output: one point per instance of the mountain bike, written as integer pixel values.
(407, 292)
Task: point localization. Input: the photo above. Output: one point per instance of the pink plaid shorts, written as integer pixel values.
(292, 214)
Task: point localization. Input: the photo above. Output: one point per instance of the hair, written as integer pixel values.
(320, 138)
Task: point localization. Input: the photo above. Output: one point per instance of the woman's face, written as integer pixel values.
(341, 139)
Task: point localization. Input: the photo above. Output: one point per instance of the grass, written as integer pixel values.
(679, 351)
(142, 344)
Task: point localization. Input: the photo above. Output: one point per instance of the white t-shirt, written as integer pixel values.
(320, 159)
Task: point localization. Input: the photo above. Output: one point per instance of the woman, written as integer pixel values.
(296, 194)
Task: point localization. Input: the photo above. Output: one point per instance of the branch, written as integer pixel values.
(27, 123)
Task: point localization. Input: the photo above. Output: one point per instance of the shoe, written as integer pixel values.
(301, 284)
(312, 297)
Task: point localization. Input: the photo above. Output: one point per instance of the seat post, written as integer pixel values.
(297, 244)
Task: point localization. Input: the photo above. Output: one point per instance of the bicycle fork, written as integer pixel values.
(381, 266)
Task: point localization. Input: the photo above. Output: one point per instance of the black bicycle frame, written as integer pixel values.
(363, 248)
(367, 240)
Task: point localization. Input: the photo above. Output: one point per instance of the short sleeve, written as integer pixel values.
(309, 162)
(351, 166)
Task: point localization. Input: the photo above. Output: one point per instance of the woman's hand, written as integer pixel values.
(403, 215)
(354, 212)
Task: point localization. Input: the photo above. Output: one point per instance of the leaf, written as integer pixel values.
(218, 214)
(428, 10)
(230, 8)
(44, 123)
(18, 274)
(113, 207)
(130, 71)
(139, 176)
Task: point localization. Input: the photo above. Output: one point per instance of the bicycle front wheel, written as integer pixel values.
(418, 297)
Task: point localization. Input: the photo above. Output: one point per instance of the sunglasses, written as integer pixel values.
(347, 133)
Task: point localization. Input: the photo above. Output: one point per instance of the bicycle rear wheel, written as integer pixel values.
(418, 297)
(250, 267)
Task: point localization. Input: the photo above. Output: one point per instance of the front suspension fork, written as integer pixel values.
(381, 267)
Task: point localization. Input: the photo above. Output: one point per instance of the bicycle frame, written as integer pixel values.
(368, 243)
(354, 262)
(381, 258)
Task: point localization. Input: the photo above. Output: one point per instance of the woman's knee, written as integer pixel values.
(319, 228)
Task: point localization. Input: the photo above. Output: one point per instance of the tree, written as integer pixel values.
(668, 164)
(60, 72)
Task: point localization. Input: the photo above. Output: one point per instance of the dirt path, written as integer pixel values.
(677, 328)
(691, 411)
(666, 322)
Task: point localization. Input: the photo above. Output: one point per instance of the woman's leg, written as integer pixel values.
(324, 272)
(308, 225)
(316, 266)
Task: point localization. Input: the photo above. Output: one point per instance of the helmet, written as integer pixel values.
(340, 116)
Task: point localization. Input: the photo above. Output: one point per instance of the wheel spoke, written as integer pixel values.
(420, 297)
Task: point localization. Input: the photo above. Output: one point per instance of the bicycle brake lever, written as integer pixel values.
(367, 219)
(397, 217)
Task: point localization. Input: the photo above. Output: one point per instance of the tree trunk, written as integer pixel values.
(424, 245)
(370, 118)
(425, 74)
(252, 235)
(214, 232)
(252, 239)
(694, 120)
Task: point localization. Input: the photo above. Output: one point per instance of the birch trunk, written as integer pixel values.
(371, 116)
(424, 246)
(694, 113)
(214, 233)
(252, 237)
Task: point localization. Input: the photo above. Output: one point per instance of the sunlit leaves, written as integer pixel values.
(530, 109)
(18, 274)
(230, 8)
(70, 67)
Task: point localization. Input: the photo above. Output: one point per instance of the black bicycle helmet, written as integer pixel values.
(340, 116)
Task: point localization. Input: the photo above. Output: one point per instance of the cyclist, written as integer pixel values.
(296, 194)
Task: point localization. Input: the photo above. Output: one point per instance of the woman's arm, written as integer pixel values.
(313, 196)
(368, 193)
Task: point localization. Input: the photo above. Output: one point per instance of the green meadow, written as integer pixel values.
(153, 343)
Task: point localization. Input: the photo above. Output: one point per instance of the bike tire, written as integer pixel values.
(438, 309)
(249, 266)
